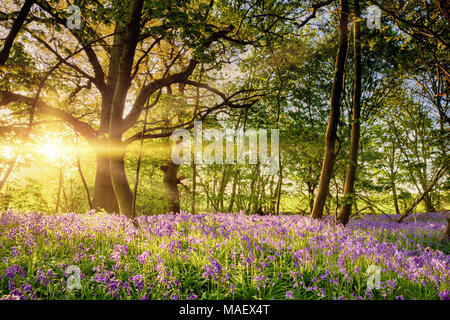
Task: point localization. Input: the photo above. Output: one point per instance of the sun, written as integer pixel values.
(8, 152)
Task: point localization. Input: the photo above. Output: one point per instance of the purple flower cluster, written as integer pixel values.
(213, 270)
(241, 256)
(45, 278)
(14, 270)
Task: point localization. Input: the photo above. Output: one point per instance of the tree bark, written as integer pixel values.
(346, 207)
(333, 121)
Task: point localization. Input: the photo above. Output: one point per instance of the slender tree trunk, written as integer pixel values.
(254, 178)
(83, 180)
(233, 192)
(310, 195)
(216, 208)
(333, 121)
(279, 183)
(221, 190)
(138, 165)
(392, 178)
(194, 165)
(8, 171)
(194, 185)
(346, 207)
(395, 196)
(60, 183)
(171, 181)
(272, 203)
(280, 168)
(66, 203)
(72, 206)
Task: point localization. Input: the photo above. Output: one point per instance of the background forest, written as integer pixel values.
(77, 132)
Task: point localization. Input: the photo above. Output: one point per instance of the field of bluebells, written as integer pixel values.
(220, 256)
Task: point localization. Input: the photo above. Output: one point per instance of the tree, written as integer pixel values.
(333, 121)
(346, 207)
(123, 79)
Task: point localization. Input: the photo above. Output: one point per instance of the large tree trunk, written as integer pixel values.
(120, 184)
(104, 196)
(333, 121)
(346, 208)
(171, 181)
(116, 148)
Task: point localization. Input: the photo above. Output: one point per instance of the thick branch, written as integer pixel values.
(42, 107)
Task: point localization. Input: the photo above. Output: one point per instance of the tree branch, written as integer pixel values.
(18, 22)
